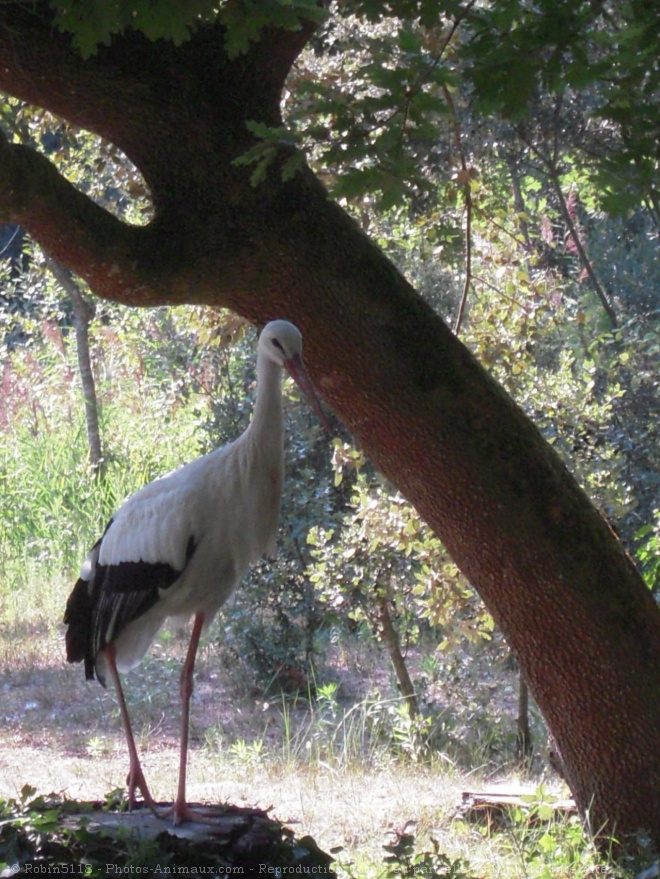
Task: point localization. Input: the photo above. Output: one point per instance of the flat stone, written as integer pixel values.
(223, 822)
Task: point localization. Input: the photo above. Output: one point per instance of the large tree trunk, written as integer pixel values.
(556, 579)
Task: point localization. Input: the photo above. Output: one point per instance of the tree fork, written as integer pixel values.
(556, 579)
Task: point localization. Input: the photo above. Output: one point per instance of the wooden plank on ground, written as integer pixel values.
(493, 805)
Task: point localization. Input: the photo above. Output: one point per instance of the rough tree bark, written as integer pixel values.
(556, 579)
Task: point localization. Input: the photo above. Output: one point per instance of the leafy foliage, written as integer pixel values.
(384, 550)
(94, 23)
(382, 98)
(648, 552)
(404, 859)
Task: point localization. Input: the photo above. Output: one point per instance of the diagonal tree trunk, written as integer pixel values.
(556, 579)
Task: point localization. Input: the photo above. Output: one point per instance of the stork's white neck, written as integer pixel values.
(267, 415)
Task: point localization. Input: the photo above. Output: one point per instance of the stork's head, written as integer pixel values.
(281, 343)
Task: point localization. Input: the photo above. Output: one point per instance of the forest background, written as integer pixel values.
(535, 234)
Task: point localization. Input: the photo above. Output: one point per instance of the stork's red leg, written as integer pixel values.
(135, 779)
(180, 810)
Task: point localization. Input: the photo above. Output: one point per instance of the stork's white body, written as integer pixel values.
(228, 502)
(181, 545)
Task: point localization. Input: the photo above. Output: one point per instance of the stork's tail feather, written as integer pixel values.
(78, 618)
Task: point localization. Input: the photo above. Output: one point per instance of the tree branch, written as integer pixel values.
(583, 256)
(550, 167)
(464, 180)
(111, 256)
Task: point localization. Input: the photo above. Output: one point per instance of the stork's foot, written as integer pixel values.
(135, 781)
(180, 811)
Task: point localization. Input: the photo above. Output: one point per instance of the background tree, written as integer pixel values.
(202, 121)
(82, 315)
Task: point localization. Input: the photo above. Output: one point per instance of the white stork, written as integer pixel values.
(181, 545)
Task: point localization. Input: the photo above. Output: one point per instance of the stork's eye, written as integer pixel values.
(278, 345)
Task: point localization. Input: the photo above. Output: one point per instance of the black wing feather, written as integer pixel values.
(99, 609)
(78, 617)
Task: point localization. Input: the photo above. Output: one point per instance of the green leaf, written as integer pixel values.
(94, 22)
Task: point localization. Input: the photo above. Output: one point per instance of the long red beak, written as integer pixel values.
(296, 369)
